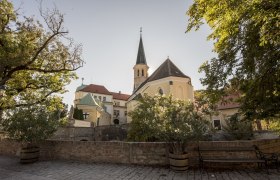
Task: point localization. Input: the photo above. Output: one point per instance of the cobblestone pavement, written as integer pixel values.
(50, 170)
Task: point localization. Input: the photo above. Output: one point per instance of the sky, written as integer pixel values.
(109, 31)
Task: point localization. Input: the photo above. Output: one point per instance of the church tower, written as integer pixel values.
(141, 67)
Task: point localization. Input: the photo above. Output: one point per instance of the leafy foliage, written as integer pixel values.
(237, 128)
(274, 124)
(162, 118)
(35, 62)
(33, 123)
(246, 38)
(204, 104)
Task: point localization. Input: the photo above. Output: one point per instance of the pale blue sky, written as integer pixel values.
(109, 33)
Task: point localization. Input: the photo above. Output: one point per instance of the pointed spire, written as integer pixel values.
(141, 58)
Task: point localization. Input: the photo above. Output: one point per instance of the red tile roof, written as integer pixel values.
(93, 88)
(120, 96)
(229, 102)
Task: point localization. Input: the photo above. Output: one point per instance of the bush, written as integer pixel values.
(31, 124)
(237, 128)
(162, 118)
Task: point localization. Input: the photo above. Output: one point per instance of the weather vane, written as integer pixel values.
(140, 31)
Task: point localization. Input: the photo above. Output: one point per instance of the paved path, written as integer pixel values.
(50, 170)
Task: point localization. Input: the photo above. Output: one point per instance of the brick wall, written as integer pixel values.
(127, 152)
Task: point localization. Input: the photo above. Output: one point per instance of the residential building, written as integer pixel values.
(99, 105)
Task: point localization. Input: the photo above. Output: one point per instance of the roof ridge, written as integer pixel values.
(166, 69)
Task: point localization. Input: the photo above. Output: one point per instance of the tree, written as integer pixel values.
(36, 60)
(162, 118)
(31, 124)
(237, 128)
(78, 114)
(246, 39)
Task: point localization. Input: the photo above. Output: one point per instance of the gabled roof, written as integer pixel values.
(93, 88)
(166, 69)
(120, 96)
(88, 100)
(141, 58)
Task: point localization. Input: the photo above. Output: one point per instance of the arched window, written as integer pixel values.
(142, 72)
(116, 121)
(180, 92)
(138, 73)
(160, 91)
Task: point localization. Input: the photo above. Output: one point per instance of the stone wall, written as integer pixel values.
(99, 133)
(129, 152)
(74, 133)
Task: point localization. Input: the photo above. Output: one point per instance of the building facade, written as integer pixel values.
(100, 106)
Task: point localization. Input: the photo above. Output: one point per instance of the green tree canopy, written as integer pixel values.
(246, 35)
(36, 60)
(162, 118)
(33, 123)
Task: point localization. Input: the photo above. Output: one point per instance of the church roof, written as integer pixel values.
(120, 96)
(141, 58)
(88, 100)
(93, 88)
(166, 69)
(80, 87)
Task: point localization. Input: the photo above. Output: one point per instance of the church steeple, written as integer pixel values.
(141, 67)
(141, 58)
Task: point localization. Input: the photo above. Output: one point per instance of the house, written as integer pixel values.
(225, 108)
(100, 106)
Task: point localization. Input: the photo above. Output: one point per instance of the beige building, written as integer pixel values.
(167, 79)
(99, 105)
(225, 109)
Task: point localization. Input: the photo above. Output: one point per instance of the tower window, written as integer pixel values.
(138, 73)
(142, 72)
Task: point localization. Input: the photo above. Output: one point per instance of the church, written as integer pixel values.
(167, 79)
(102, 107)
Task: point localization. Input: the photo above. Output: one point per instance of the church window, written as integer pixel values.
(138, 73)
(142, 72)
(180, 92)
(160, 91)
(116, 113)
(125, 113)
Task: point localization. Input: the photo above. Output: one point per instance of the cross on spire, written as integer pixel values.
(141, 31)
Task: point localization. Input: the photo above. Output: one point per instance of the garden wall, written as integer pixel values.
(125, 152)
